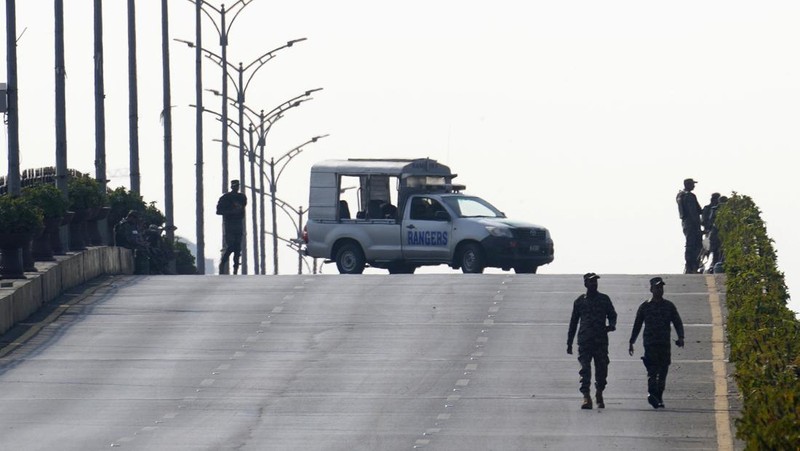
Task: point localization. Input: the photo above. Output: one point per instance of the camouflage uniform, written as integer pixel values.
(656, 317)
(591, 312)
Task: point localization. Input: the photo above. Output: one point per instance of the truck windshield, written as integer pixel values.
(472, 207)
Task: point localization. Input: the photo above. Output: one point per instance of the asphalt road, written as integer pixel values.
(330, 362)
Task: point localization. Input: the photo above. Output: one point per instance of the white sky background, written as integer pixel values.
(581, 116)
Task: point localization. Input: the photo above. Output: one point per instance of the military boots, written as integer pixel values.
(587, 402)
(599, 398)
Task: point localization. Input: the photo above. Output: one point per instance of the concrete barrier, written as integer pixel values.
(25, 296)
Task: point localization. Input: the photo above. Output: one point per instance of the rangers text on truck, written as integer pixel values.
(407, 214)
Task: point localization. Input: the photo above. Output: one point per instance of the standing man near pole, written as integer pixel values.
(656, 315)
(592, 310)
(231, 206)
(690, 212)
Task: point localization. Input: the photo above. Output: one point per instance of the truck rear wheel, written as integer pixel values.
(472, 259)
(350, 259)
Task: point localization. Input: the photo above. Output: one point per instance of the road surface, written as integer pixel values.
(331, 362)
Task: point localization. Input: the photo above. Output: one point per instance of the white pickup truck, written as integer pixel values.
(423, 220)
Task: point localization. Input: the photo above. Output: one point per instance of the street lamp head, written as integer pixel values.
(214, 91)
(189, 43)
(311, 91)
(293, 41)
(314, 139)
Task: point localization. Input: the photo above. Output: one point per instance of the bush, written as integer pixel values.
(121, 202)
(84, 192)
(47, 197)
(17, 215)
(763, 333)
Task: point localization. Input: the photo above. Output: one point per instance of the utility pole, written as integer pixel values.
(251, 156)
(13, 111)
(99, 99)
(61, 114)
(133, 101)
(200, 210)
(168, 207)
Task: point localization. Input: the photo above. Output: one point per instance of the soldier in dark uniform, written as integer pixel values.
(715, 245)
(707, 210)
(690, 212)
(231, 206)
(129, 233)
(592, 310)
(656, 315)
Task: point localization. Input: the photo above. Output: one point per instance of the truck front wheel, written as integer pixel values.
(472, 259)
(350, 259)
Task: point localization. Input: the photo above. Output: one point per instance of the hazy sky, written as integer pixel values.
(581, 116)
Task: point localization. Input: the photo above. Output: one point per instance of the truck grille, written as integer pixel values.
(530, 234)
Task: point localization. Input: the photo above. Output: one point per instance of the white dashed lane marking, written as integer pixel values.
(461, 384)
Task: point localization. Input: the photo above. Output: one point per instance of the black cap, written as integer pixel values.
(234, 182)
(689, 180)
(656, 281)
(590, 276)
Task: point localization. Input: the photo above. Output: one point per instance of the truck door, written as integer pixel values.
(427, 229)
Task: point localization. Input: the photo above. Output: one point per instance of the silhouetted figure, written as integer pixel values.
(690, 213)
(129, 233)
(715, 245)
(706, 213)
(592, 310)
(231, 206)
(656, 316)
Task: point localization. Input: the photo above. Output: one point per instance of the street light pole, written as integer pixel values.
(13, 108)
(199, 188)
(99, 99)
(168, 195)
(298, 225)
(262, 216)
(61, 114)
(273, 188)
(133, 101)
(252, 159)
(240, 100)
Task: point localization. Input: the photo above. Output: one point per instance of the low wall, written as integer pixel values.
(54, 278)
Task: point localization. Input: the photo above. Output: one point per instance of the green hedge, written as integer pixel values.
(763, 333)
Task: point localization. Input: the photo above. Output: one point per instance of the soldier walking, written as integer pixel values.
(656, 315)
(592, 310)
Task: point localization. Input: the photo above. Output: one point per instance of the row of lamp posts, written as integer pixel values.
(259, 126)
(223, 27)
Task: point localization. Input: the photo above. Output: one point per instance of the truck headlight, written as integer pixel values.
(503, 232)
